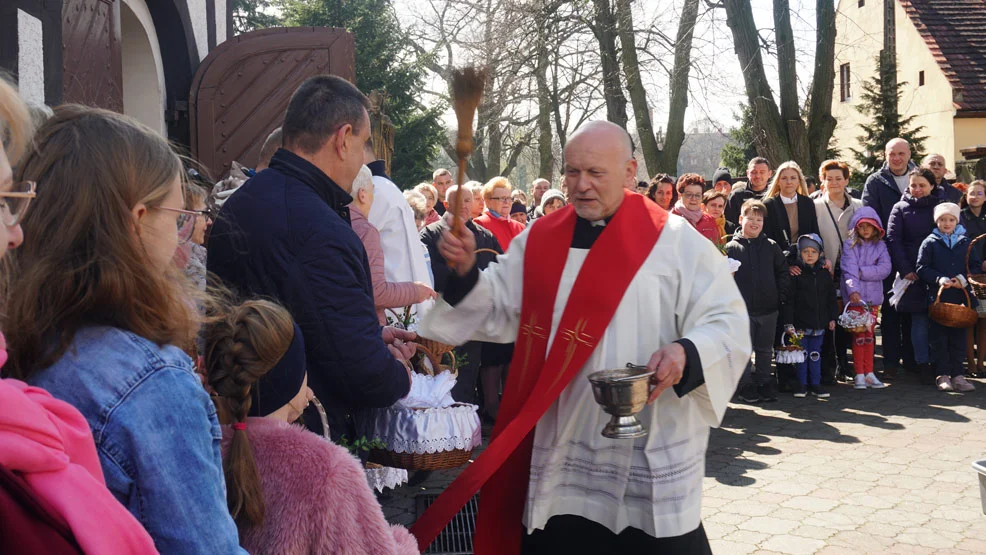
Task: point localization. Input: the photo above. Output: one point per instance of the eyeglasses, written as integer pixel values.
(186, 217)
(14, 203)
(692, 196)
(977, 194)
(499, 199)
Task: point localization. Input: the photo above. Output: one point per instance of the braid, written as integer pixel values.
(241, 348)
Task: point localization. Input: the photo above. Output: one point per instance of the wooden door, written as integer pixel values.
(92, 70)
(242, 88)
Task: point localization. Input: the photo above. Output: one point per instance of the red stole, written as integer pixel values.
(538, 376)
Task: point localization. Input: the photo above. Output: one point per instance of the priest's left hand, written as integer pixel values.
(668, 363)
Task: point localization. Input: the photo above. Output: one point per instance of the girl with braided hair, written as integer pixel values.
(289, 490)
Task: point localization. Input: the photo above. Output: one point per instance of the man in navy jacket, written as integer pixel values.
(286, 234)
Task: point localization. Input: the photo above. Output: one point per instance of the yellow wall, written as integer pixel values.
(931, 104)
(969, 132)
(859, 40)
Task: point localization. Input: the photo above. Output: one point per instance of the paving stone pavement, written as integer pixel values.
(874, 471)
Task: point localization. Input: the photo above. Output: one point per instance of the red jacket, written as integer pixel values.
(504, 229)
(706, 225)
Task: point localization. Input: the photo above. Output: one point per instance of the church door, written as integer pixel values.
(242, 88)
(92, 71)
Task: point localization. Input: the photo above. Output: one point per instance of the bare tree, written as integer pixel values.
(659, 159)
(780, 132)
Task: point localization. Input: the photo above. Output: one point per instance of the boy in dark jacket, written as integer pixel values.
(762, 279)
(810, 308)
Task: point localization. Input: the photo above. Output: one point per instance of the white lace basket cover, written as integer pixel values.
(788, 355)
(422, 431)
(385, 477)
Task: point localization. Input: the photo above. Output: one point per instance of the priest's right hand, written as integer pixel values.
(459, 250)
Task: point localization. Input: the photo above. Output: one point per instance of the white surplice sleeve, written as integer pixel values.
(491, 311)
(710, 312)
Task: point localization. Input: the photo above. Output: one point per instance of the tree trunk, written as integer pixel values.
(605, 31)
(821, 124)
(546, 158)
(638, 95)
(668, 161)
(770, 133)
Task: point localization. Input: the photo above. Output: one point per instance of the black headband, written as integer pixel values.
(278, 386)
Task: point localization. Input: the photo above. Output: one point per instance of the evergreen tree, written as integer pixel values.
(885, 124)
(736, 154)
(249, 15)
(384, 61)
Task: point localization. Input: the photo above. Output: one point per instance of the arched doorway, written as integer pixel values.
(143, 70)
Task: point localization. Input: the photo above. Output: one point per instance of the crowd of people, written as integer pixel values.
(168, 332)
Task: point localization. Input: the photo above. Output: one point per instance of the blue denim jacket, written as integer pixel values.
(156, 433)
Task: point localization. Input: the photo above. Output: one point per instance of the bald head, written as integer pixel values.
(898, 155)
(598, 164)
(604, 134)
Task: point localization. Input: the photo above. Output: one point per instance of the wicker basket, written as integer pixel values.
(851, 324)
(427, 461)
(788, 354)
(436, 361)
(953, 315)
(395, 424)
(978, 280)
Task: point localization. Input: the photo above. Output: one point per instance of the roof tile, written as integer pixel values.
(955, 32)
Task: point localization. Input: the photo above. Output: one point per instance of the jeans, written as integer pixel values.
(919, 337)
(810, 371)
(762, 336)
(948, 347)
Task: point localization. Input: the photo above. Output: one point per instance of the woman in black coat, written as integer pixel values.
(790, 213)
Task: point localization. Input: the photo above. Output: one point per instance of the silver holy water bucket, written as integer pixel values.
(622, 393)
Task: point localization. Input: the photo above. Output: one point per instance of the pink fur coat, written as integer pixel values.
(316, 496)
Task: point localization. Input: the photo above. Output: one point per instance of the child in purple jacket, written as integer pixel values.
(865, 264)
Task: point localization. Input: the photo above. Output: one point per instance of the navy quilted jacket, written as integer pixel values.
(286, 234)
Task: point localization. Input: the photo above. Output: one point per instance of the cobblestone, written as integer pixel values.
(863, 472)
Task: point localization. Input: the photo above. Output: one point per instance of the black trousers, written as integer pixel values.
(574, 535)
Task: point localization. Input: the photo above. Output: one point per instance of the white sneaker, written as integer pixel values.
(873, 382)
(860, 382)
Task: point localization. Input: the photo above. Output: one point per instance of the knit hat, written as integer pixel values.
(518, 208)
(278, 386)
(949, 208)
(550, 194)
(722, 174)
(810, 240)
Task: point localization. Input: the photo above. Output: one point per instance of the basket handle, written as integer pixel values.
(968, 301)
(431, 358)
(968, 252)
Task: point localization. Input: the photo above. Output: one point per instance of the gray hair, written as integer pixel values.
(455, 188)
(475, 186)
(421, 187)
(417, 202)
(363, 181)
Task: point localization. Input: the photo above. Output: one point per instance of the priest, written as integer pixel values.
(608, 280)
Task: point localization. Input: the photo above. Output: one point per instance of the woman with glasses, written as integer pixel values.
(48, 464)
(496, 194)
(974, 221)
(431, 198)
(193, 223)
(689, 206)
(255, 363)
(99, 316)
